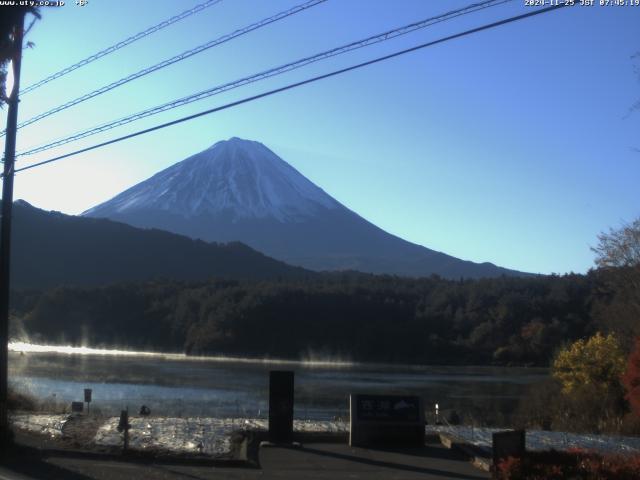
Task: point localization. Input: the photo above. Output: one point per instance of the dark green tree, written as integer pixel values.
(10, 19)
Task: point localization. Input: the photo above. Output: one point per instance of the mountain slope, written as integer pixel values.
(240, 178)
(239, 190)
(50, 248)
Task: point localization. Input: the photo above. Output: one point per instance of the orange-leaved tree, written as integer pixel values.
(589, 372)
(597, 362)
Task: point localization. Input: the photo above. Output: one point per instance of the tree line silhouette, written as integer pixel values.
(507, 320)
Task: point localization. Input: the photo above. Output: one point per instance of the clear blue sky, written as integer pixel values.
(512, 146)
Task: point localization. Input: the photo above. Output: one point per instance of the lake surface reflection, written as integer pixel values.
(175, 385)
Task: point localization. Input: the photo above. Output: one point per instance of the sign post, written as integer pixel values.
(386, 420)
(124, 426)
(87, 398)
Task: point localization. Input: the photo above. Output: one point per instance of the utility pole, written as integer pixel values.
(5, 235)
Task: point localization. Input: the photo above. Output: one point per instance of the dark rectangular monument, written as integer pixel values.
(386, 420)
(281, 406)
(508, 444)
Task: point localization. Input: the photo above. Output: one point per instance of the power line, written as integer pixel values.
(121, 44)
(299, 84)
(388, 35)
(172, 60)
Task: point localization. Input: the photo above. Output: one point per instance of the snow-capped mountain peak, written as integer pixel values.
(239, 190)
(235, 177)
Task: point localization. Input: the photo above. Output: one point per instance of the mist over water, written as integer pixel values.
(174, 384)
(310, 359)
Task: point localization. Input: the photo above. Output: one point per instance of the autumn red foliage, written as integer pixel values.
(575, 464)
(631, 378)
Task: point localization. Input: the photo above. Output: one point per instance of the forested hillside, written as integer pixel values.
(50, 248)
(350, 316)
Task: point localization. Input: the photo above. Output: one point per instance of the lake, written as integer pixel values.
(176, 385)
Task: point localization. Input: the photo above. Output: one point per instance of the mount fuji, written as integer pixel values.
(239, 190)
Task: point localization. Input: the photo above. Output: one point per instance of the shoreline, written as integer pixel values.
(70, 350)
(219, 439)
(227, 438)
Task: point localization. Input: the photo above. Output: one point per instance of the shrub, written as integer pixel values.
(574, 464)
(631, 378)
(20, 401)
(592, 396)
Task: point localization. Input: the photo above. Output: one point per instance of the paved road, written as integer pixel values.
(325, 461)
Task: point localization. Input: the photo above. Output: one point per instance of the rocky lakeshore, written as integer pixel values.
(220, 438)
